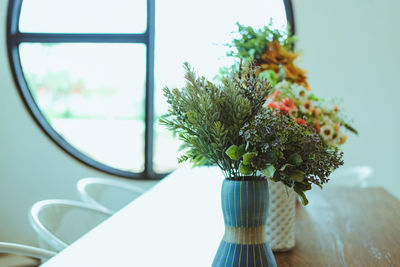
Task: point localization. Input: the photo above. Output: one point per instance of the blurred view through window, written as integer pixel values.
(93, 94)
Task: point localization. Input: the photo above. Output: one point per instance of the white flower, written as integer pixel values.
(306, 107)
(283, 85)
(335, 136)
(327, 120)
(336, 126)
(293, 113)
(300, 92)
(327, 132)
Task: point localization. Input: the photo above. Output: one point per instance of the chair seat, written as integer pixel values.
(27, 251)
(58, 223)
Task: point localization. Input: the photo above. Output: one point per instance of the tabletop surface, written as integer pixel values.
(179, 223)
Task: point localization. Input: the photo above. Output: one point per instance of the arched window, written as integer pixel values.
(91, 72)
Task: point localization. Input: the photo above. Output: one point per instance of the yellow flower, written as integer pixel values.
(342, 139)
(316, 111)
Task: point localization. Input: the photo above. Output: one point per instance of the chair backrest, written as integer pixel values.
(351, 176)
(61, 222)
(106, 194)
(12, 248)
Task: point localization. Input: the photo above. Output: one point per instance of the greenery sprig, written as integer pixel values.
(252, 42)
(228, 125)
(288, 152)
(209, 117)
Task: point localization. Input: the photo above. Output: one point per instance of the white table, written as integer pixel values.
(177, 223)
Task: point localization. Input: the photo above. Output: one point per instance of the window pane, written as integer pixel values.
(208, 25)
(93, 96)
(83, 16)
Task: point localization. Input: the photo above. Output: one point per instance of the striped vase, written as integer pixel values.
(245, 208)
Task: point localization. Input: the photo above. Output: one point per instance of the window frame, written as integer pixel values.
(15, 38)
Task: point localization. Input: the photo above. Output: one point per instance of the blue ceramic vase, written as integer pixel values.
(245, 208)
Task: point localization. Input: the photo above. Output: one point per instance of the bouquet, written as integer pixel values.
(228, 125)
(272, 51)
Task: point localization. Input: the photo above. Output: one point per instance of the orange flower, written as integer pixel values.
(297, 75)
(288, 103)
(301, 121)
(317, 125)
(273, 105)
(336, 108)
(276, 57)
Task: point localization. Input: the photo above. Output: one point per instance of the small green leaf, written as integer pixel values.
(272, 156)
(313, 97)
(295, 159)
(350, 128)
(281, 75)
(245, 169)
(235, 152)
(270, 76)
(298, 188)
(297, 176)
(248, 157)
(302, 186)
(269, 171)
(199, 161)
(303, 197)
(285, 166)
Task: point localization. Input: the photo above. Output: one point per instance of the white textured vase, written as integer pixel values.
(281, 217)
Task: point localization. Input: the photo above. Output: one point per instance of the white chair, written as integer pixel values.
(27, 251)
(108, 195)
(351, 176)
(58, 223)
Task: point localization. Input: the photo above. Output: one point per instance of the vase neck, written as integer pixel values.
(245, 203)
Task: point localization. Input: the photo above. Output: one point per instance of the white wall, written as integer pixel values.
(32, 167)
(351, 49)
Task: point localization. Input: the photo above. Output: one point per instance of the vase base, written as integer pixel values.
(252, 255)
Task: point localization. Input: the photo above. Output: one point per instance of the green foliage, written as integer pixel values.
(295, 159)
(249, 157)
(209, 117)
(298, 154)
(269, 171)
(253, 42)
(235, 152)
(227, 125)
(270, 76)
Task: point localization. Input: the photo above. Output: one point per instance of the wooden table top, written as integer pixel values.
(179, 223)
(346, 226)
